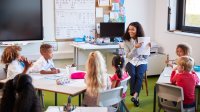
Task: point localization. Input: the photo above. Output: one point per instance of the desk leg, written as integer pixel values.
(154, 99)
(55, 99)
(79, 98)
(197, 97)
(124, 105)
(41, 97)
(76, 57)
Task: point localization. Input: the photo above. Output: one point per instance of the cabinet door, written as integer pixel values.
(156, 64)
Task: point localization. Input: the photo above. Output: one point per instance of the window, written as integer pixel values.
(188, 16)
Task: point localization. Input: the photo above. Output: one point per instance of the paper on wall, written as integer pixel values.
(104, 2)
(99, 12)
(114, 16)
(106, 18)
(115, 6)
(145, 48)
(122, 2)
(117, 1)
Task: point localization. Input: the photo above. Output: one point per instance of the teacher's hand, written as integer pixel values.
(149, 44)
(138, 45)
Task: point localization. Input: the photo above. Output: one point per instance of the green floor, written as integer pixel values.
(146, 102)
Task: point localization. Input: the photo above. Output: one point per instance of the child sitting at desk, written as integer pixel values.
(45, 64)
(15, 63)
(187, 79)
(19, 95)
(96, 78)
(181, 50)
(118, 64)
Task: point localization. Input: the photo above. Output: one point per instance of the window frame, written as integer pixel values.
(180, 24)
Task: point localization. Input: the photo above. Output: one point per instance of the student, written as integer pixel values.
(19, 95)
(45, 64)
(96, 78)
(118, 64)
(181, 50)
(187, 79)
(15, 63)
(137, 64)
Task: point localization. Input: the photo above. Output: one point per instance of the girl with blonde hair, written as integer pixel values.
(96, 78)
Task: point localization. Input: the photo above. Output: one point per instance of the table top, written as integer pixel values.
(77, 109)
(88, 46)
(48, 83)
(165, 76)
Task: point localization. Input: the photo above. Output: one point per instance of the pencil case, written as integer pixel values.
(62, 81)
(78, 75)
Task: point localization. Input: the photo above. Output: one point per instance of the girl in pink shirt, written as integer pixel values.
(118, 65)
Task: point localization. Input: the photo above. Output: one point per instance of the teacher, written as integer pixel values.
(137, 64)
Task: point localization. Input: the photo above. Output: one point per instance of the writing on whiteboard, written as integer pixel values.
(74, 18)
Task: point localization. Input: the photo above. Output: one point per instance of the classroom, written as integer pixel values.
(99, 55)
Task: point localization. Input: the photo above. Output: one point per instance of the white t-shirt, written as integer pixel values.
(42, 64)
(14, 68)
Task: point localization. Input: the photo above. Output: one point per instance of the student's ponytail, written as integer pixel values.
(118, 63)
(119, 72)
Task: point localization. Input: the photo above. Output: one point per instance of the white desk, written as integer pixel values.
(77, 109)
(81, 51)
(41, 82)
(165, 78)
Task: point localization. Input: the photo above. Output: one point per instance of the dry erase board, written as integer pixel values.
(74, 18)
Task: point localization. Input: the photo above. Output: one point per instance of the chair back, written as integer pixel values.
(170, 97)
(110, 97)
(2, 73)
(124, 84)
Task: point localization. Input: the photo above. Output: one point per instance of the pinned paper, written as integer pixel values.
(104, 2)
(122, 18)
(114, 16)
(99, 12)
(122, 10)
(115, 6)
(116, 1)
(122, 2)
(106, 18)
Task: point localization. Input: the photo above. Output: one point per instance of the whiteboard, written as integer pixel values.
(74, 18)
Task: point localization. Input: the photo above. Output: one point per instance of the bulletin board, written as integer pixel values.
(74, 18)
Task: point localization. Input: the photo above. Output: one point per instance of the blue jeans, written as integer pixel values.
(136, 73)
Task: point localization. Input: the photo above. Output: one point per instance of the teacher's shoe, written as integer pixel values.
(135, 101)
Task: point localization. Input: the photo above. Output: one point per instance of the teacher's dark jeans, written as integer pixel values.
(136, 73)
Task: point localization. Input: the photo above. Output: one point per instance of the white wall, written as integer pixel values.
(169, 40)
(142, 11)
